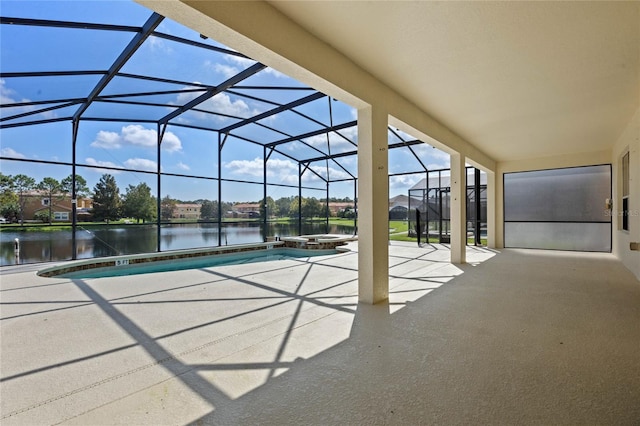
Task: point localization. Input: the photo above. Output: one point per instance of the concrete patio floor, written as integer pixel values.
(519, 337)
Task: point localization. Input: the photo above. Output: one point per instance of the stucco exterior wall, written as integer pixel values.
(629, 141)
(556, 162)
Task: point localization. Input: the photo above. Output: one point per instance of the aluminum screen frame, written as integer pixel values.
(552, 209)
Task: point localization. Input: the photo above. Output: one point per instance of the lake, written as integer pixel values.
(38, 246)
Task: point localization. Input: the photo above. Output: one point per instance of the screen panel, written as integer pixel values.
(560, 209)
(559, 236)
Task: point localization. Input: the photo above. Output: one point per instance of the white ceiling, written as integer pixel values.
(516, 79)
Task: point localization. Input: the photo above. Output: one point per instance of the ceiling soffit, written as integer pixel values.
(518, 80)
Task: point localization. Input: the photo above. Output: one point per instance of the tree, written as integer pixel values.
(282, 206)
(43, 216)
(51, 188)
(271, 207)
(294, 212)
(138, 203)
(208, 209)
(311, 207)
(82, 190)
(22, 184)
(106, 199)
(9, 206)
(6, 183)
(167, 207)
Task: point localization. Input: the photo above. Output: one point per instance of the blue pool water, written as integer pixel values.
(199, 262)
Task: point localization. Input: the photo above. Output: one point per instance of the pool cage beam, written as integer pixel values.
(137, 41)
(210, 93)
(140, 35)
(265, 158)
(300, 198)
(161, 129)
(478, 236)
(74, 195)
(221, 142)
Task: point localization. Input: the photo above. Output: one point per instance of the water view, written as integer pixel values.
(47, 246)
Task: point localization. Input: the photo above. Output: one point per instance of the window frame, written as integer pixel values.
(624, 166)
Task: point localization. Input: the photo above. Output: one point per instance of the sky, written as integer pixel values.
(184, 151)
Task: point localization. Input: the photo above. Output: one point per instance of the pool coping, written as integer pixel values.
(140, 258)
(311, 242)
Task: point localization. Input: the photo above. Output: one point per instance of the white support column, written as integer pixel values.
(458, 209)
(491, 209)
(373, 206)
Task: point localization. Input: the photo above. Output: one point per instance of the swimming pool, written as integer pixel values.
(176, 261)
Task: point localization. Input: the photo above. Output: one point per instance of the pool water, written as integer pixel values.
(198, 262)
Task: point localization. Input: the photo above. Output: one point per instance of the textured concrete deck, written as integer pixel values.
(522, 337)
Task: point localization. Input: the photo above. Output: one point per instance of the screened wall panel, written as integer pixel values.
(559, 236)
(88, 103)
(561, 209)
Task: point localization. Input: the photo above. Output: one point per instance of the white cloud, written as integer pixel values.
(236, 64)
(107, 140)
(185, 97)
(404, 181)
(157, 44)
(239, 60)
(338, 143)
(221, 103)
(251, 168)
(9, 96)
(141, 164)
(227, 71)
(281, 171)
(9, 152)
(275, 73)
(334, 173)
(246, 63)
(93, 162)
(171, 142)
(136, 135)
(182, 166)
(402, 184)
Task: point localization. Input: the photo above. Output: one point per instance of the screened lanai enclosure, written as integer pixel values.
(430, 203)
(125, 132)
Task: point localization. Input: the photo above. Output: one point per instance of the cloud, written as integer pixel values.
(433, 158)
(334, 173)
(141, 164)
(9, 96)
(338, 143)
(227, 70)
(136, 135)
(185, 97)
(239, 60)
(182, 166)
(281, 171)
(236, 64)
(157, 44)
(253, 168)
(220, 103)
(404, 181)
(9, 152)
(93, 162)
(107, 140)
